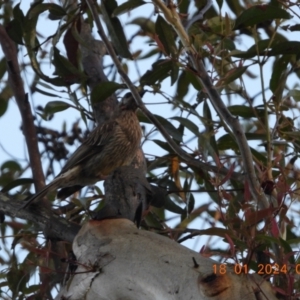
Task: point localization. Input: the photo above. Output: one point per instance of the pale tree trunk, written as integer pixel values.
(118, 261)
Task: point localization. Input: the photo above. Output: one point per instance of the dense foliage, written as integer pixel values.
(251, 54)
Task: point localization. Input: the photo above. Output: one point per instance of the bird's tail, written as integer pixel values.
(52, 186)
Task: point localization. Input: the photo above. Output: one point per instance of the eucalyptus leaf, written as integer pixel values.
(56, 106)
(17, 182)
(127, 6)
(103, 90)
(258, 14)
(115, 28)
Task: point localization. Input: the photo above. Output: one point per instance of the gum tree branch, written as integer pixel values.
(54, 226)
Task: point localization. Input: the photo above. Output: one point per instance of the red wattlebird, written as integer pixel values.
(111, 145)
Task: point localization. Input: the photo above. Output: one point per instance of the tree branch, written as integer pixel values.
(54, 227)
(16, 84)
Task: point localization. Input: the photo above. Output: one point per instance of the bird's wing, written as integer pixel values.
(94, 144)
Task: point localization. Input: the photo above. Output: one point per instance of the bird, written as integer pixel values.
(112, 144)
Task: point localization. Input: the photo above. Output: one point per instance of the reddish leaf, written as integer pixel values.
(228, 175)
(274, 228)
(254, 217)
(247, 194)
(71, 45)
(231, 243)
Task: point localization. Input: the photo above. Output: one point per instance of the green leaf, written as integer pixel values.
(194, 80)
(18, 13)
(235, 6)
(287, 250)
(11, 165)
(56, 12)
(242, 54)
(255, 136)
(31, 42)
(258, 14)
(103, 90)
(279, 76)
(3, 67)
(55, 106)
(36, 10)
(174, 73)
(66, 69)
(227, 142)
(246, 111)
(287, 47)
(182, 86)
(171, 206)
(46, 93)
(3, 106)
(170, 128)
(264, 47)
(229, 44)
(215, 231)
(152, 220)
(191, 203)
(72, 40)
(115, 28)
(233, 74)
(183, 6)
(17, 182)
(145, 24)
(149, 54)
(261, 158)
(163, 145)
(188, 124)
(160, 70)
(166, 36)
(220, 3)
(15, 27)
(127, 6)
(294, 27)
(15, 31)
(208, 123)
(291, 134)
(295, 94)
(209, 187)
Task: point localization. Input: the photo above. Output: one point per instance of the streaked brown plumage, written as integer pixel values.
(112, 144)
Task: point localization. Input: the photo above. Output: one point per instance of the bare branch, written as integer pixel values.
(16, 84)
